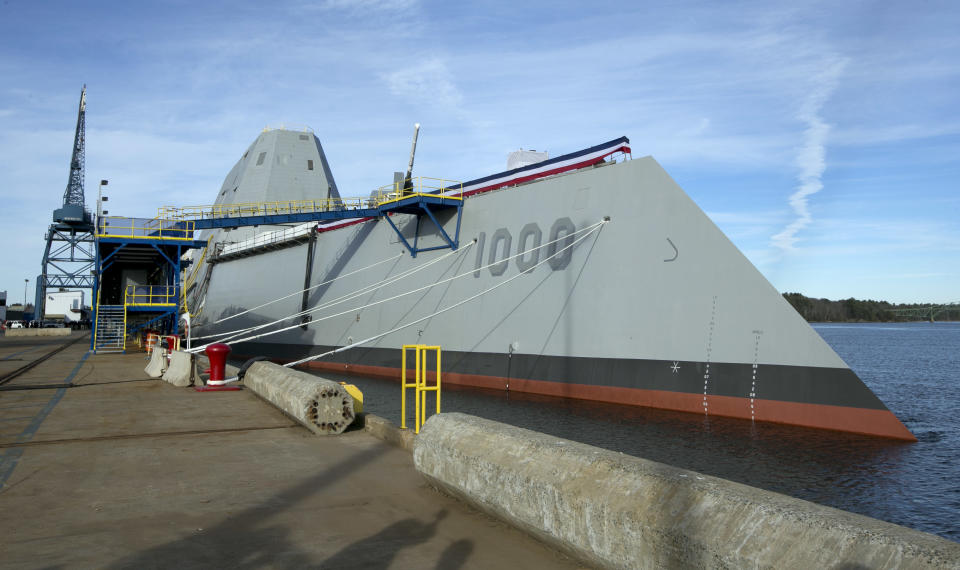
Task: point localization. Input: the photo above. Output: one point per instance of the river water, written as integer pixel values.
(913, 367)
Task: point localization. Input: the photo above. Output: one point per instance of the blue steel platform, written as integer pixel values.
(130, 244)
(290, 218)
(415, 204)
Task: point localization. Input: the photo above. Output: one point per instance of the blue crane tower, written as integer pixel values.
(69, 256)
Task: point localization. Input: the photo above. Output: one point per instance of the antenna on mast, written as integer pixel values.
(404, 184)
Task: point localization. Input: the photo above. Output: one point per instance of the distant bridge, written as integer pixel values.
(928, 313)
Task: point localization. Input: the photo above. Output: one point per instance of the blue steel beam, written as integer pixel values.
(412, 205)
(411, 249)
(276, 219)
(160, 251)
(443, 232)
(140, 326)
(198, 243)
(112, 253)
(417, 205)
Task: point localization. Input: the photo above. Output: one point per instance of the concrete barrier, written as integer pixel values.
(182, 370)
(38, 332)
(616, 511)
(384, 429)
(322, 405)
(157, 364)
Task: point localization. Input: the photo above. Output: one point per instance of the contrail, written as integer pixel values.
(812, 156)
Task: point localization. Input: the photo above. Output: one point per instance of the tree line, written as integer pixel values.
(856, 310)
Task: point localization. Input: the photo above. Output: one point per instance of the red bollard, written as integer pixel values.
(218, 362)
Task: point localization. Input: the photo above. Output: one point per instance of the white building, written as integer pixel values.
(66, 305)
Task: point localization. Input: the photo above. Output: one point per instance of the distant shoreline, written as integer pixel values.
(869, 311)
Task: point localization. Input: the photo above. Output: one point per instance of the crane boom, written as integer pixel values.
(73, 210)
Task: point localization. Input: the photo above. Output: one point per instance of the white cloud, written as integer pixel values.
(876, 134)
(365, 5)
(733, 103)
(811, 158)
(429, 83)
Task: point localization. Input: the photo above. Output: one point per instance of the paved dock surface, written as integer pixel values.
(122, 471)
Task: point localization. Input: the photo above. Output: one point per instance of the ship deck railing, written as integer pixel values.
(338, 207)
(145, 228)
(151, 296)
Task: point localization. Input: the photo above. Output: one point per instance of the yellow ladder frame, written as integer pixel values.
(419, 384)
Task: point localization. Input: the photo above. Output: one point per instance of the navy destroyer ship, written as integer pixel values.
(590, 275)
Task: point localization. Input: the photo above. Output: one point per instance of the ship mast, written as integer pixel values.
(404, 184)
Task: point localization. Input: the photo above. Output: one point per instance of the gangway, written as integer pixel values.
(129, 297)
(137, 277)
(419, 196)
(110, 329)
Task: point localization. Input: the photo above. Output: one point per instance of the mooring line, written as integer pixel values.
(589, 230)
(592, 229)
(342, 299)
(294, 294)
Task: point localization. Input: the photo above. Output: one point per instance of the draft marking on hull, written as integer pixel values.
(753, 382)
(706, 375)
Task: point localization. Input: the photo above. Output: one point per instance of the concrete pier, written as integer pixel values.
(37, 332)
(616, 511)
(321, 405)
(120, 470)
(103, 466)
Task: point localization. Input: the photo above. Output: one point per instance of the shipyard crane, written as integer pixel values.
(69, 256)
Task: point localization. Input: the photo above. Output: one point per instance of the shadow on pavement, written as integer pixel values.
(246, 539)
(377, 551)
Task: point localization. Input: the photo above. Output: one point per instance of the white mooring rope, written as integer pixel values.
(455, 305)
(417, 290)
(302, 291)
(294, 294)
(343, 298)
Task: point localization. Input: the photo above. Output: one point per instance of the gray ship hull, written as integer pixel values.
(651, 304)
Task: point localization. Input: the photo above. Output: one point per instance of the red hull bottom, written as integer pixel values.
(880, 423)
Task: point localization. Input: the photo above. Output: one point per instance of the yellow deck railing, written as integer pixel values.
(418, 185)
(144, 228)
(150, 296)
(419, 384)
(288, 127)
(258, 208)
(193, 276)
(391, 192)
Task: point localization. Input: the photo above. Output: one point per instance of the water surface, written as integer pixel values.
(912, 367)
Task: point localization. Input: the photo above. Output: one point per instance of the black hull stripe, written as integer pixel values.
(799, 384)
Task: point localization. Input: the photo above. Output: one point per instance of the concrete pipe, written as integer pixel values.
(323, 406)
(616, 511)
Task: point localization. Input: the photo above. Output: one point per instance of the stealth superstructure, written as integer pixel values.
(591, 275)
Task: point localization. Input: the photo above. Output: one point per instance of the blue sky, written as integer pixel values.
(822, 137)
